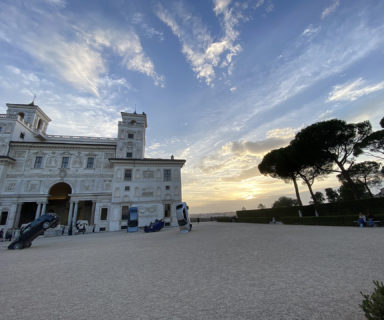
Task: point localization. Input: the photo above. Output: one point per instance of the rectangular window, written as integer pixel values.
(167, 187)
(128, 174)
(90, 162)
(127, 188)
(131, 135)
(124, 212)
(38, 162)
(167, 175)
(65, 162)
(3, 218)
(104, 214)
(167, 210)
(1, 129)
(129, 154)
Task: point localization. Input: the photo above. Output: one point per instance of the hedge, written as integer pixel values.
(342, 213)
(320, 221)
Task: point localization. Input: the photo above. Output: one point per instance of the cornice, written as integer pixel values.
(6, 160)
(51, 145)
(148, 161)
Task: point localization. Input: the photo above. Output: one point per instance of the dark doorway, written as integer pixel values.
(28, 212)
(85, 211)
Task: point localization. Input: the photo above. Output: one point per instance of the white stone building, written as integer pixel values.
(82, 178)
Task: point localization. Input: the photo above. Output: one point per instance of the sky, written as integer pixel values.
(222, 82)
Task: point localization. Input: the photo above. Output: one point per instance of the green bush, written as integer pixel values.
(373, 305)
(330, 214)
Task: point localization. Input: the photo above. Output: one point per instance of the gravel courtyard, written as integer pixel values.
(218, 271)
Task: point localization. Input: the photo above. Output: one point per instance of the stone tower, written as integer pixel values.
(131, 136)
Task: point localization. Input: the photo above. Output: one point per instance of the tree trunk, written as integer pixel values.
(310, 189)
(366, 187)
(297, 191)
(349, 180)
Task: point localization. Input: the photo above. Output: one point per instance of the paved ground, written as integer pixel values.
(218, 271)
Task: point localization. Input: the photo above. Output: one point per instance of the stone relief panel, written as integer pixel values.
(29, 162)
(52, 162)
(137, 192)
(137, 174)
(147, 192)
(20, 154)
(118, 174)
(148, 174)
(76, 161)
(87, 185)
(116, 194)
(32, 186)
(107, 185)
(158, 191)
(10, 186)
(168, 196)
(158, 174)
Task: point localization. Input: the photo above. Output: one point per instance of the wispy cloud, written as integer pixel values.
(332, 8)
(69, 50)
(203, 51)
(149, 32)
(352, 90)
(310, 31)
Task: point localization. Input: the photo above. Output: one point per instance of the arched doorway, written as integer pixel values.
(58, 200)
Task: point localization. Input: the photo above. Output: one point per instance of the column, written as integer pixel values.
(17, 216)
(44, 208)
(92, 222)
(37, 214)
(70, 214)
(75, 214)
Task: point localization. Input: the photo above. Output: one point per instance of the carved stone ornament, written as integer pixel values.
(62, 173)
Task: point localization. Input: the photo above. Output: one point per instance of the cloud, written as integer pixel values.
(244, 175)
(220, 5)
(257, 148)
(204, 53)
(310, 30)
(353, 90)
(327, 11)
(149, 32)
(58, 3)
(69, 48)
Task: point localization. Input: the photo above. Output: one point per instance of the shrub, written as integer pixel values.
(373, 305)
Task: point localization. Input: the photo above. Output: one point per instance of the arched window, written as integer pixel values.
(40, 124)
(21, 115)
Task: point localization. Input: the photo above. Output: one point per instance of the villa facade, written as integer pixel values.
(82, 178)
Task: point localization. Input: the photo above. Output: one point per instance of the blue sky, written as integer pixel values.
(222, 82)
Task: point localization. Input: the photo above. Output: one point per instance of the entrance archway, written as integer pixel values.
(58, 200)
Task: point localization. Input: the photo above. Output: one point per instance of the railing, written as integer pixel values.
(8, 116)
(81, 139)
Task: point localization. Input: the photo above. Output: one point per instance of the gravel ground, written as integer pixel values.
(218, 271)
